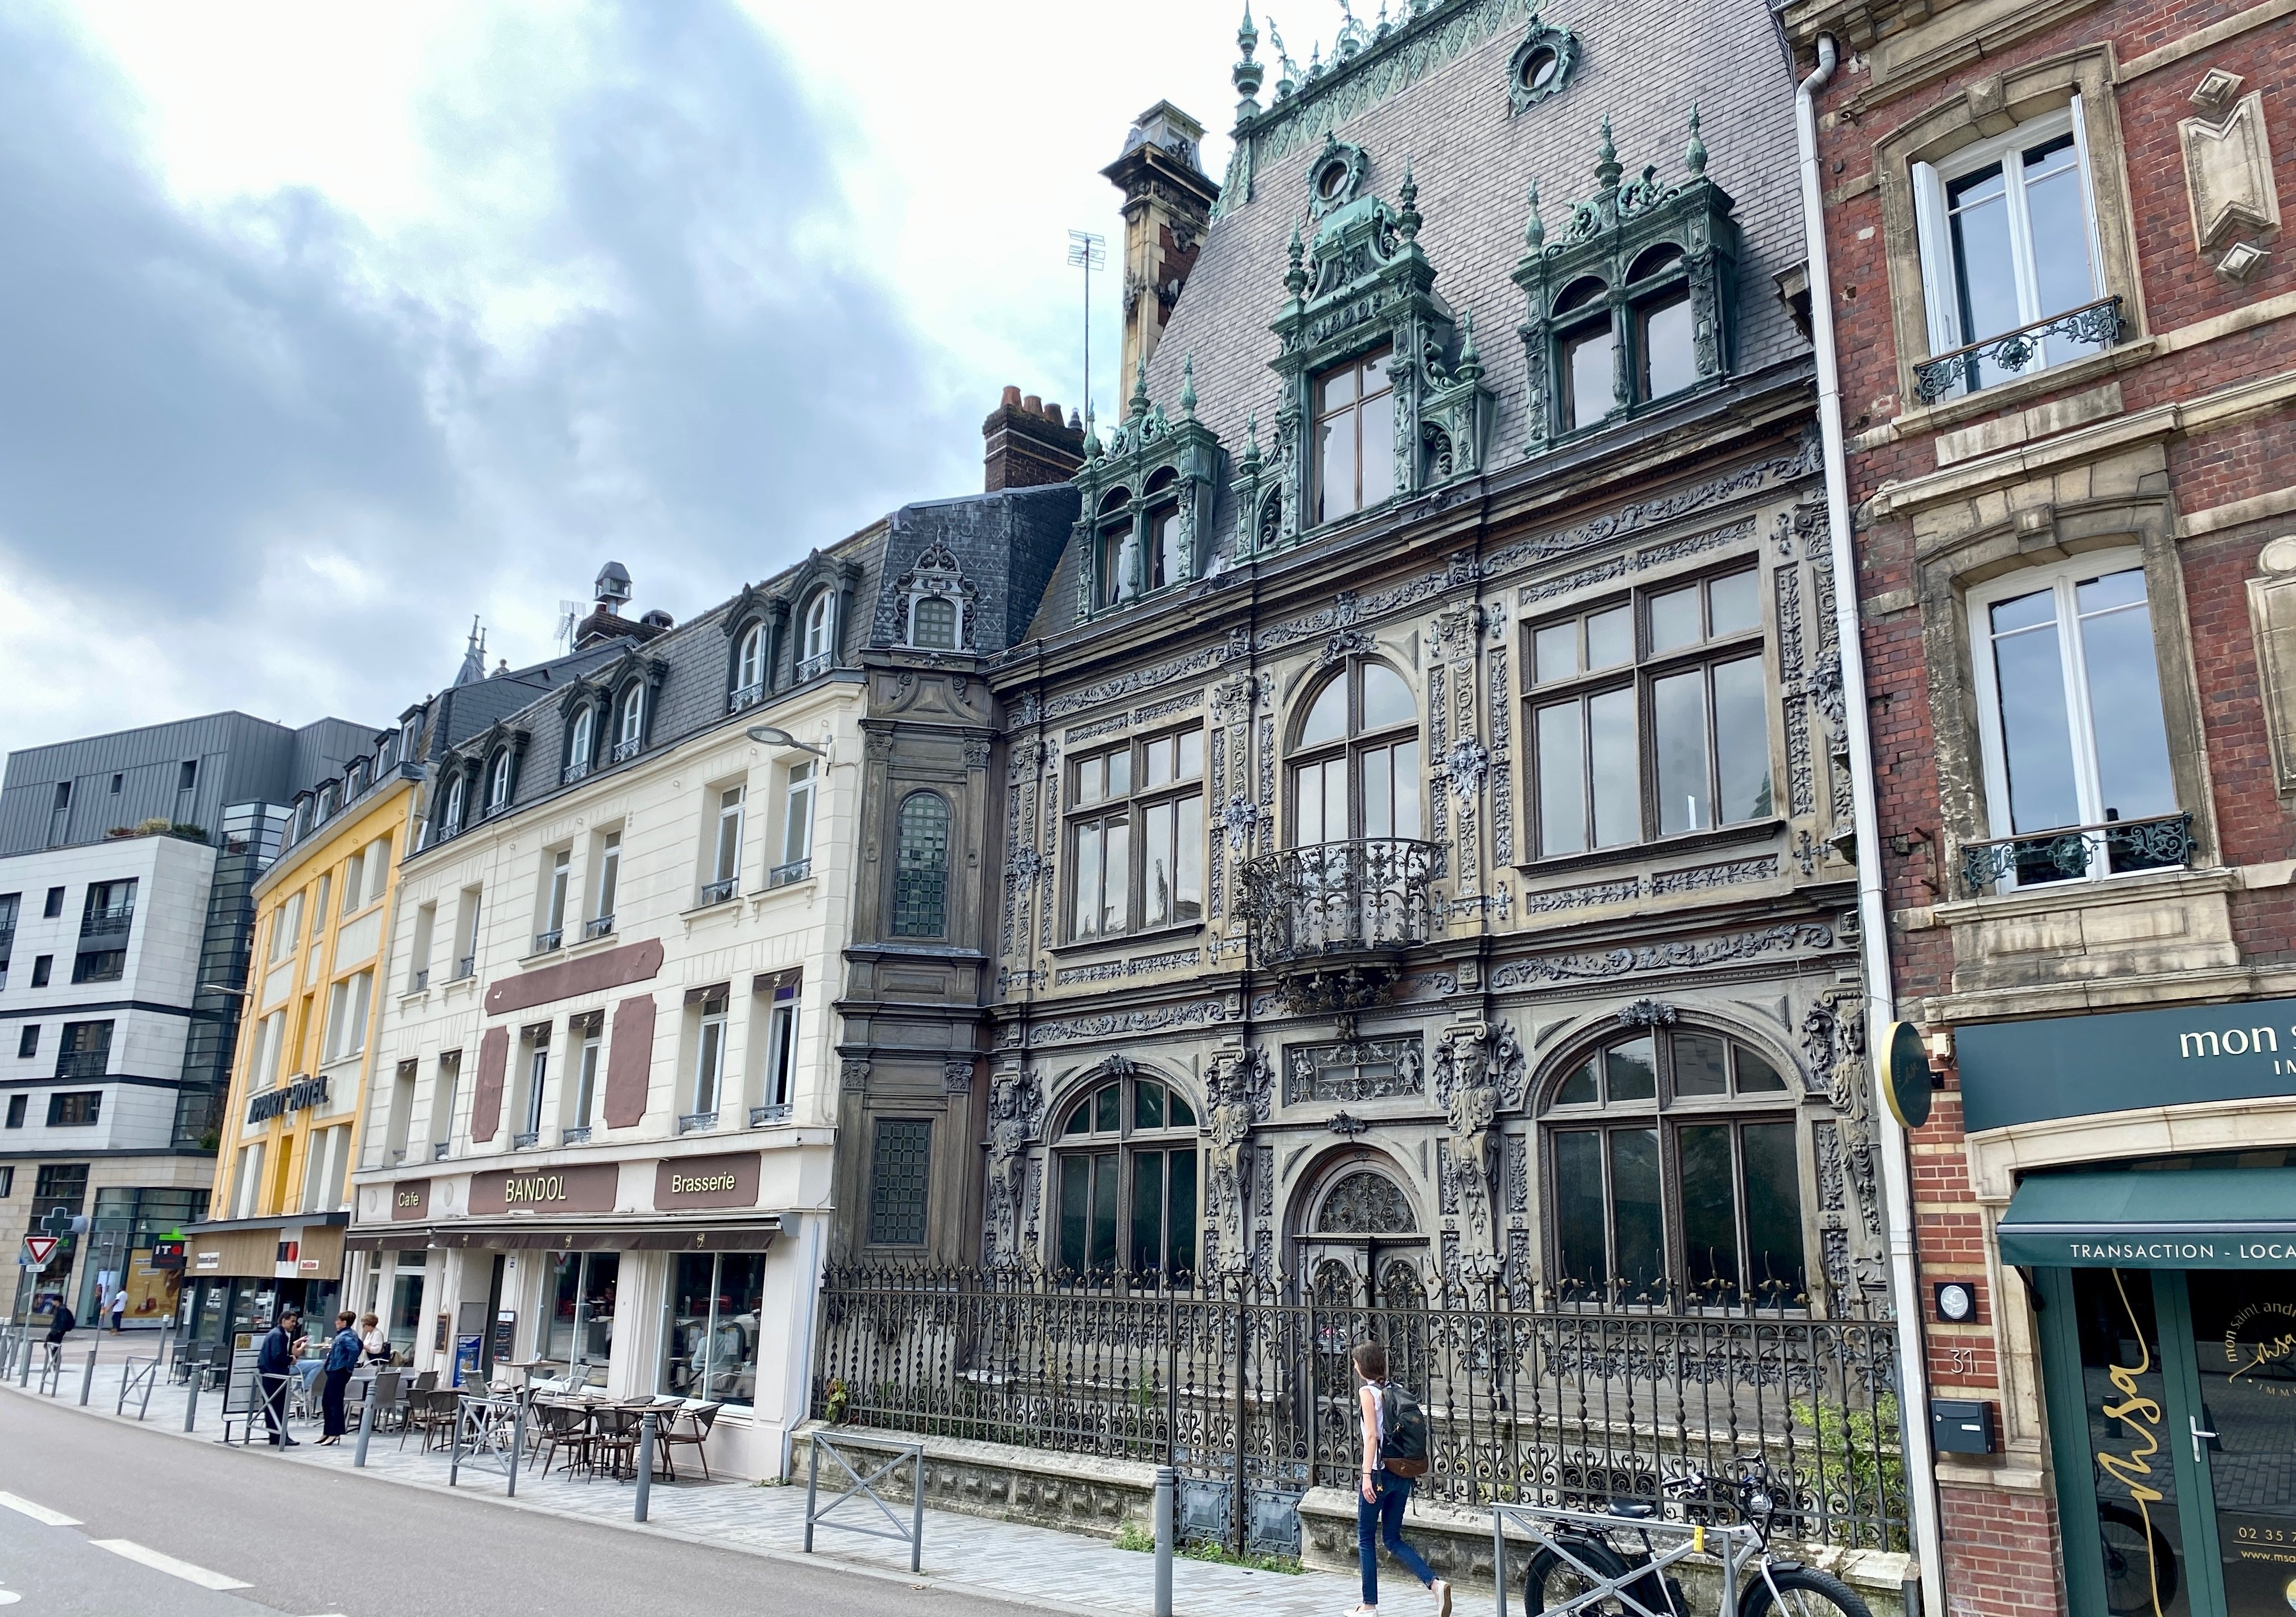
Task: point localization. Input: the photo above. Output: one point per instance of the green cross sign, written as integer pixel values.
(58, 1223)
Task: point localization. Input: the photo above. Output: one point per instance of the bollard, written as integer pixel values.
(366, 1428)
(88, 1379)
(917, 1514)
(812, 1486)
(517, 1446)
(24, 1378)
(1166, 1481)
(455, 1454)
(192, 1399)
(645, 1462)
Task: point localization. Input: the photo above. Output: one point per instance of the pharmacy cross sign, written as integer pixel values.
(58, 1222)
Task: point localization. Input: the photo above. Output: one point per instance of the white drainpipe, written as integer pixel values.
(1873, 915)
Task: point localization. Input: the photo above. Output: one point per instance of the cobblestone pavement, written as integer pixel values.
(1014, 1560)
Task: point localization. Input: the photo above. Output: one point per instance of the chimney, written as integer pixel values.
(1028, 443)
(1168, 205)
(605, 622)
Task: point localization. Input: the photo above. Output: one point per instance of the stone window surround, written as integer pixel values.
(2036, 535)
(1981, 110)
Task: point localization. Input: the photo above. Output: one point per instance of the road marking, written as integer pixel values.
(38, 1513)
(133, 1551)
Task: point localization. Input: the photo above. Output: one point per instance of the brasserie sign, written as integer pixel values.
(2077, 1066)
(299, 1095)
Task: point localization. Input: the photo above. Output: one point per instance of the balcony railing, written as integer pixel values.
(625, 750)
(421, 980)
(695, 1122)
(574, 1134)
(2077, 853)
(1338, 899)
(439, 1149)
(2089, 329)
(796, 870)
(83, 1063)
(527, 1141)
(597, 926)
(543, 942)
(467, 967)
(760, 1116)
(574, 771)
(106, 923)
(812, 666)
(744, 696)
(719, 892)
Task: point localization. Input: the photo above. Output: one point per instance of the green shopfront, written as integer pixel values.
(2163, 1288)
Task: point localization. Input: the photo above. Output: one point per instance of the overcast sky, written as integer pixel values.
(325, 328)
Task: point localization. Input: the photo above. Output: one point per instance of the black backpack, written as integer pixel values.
(1402, 1449)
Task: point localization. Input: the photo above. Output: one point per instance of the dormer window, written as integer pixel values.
(1589, 362)
(630, 732)
(1354, 436)
(820, 633)
(932, 623)
(580, 742)
(1114, 533)
(749, 667)
(1167, 563)
(453, 819)
(498, 784)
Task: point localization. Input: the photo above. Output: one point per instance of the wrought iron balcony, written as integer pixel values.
(2091, 328)
(744, 696)
(543, 942)
(782, 875)
(83, 1063)
(624, 751)
(812, 666)
(2077, 853)
(597, 926)
(695, 1122)
(574, 771)
(574, 1134)
(1332, 901)
(467, 967)
(421, 980)
(527, 1141)
(760, 1116)
(107, 923)
(719, 892)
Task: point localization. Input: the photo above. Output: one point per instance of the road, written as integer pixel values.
(305, 1542)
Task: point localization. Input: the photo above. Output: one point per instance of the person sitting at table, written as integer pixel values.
(373, 1341)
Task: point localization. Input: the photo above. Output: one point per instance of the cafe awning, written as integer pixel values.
(2190, 1217)
(750, 1234)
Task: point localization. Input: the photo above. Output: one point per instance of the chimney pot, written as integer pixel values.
(1052, 412)
(1012, 399)
(1033, 404)
(1026, 444)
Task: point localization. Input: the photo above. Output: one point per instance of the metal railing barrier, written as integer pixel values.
(140, 1376)
(912, 1455)
(480, 1427)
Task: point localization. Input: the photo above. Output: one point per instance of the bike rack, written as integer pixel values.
(908, 1454)
(141, 1374)
(480, 1427)
(1544, 1527)
(51, 1369)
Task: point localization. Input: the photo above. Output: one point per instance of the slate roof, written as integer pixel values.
(1641, 62)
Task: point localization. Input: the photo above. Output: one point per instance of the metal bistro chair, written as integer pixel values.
(695, 1436)
(558, 1426)
(429, 1413)
(615, 1439)
(390, 1401)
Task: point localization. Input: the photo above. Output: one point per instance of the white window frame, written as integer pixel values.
(2061, 577)
(586, 1070)
(1940, 287)
(821, 625)
(453, 819)
(560, 879)
(749, 660)
(610, 871)
(781, 1057)
(709, 1058)
(579, 743)
(726, 846)
(797, 814)
(498, 782)
(632, 727)
(538, 1076)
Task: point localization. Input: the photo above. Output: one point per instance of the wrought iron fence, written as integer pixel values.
(1338, 899)
(1252, 1396)
(2079, 852)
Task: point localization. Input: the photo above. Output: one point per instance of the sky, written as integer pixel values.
(325, 329)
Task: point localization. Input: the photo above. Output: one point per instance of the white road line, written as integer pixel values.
(133, 1551)
(38, 1513)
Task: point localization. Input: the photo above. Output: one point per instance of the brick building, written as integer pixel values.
(2065, 372)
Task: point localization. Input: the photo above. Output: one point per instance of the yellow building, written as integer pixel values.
(276, 1215)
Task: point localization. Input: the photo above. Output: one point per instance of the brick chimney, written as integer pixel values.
(1029, 443)
(1167, 206)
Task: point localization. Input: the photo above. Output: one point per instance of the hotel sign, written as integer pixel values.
(2077, 1066)
(588, 1187)
(299, 1095)
(720, 1181)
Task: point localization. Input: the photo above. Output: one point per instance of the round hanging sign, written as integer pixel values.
(1904, 1070)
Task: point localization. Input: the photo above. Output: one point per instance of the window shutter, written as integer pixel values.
(629, 1062)
(485, 1105)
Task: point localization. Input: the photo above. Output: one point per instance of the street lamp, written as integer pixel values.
(774, 735)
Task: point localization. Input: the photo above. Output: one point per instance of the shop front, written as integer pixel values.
(2149, 1230)
(239, 1274)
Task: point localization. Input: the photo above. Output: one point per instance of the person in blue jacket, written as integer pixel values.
(342, 1358)
(274, 1363)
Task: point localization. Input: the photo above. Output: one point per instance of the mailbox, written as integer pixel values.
(1962, 1425)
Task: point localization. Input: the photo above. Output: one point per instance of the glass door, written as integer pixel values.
(2243, 1336)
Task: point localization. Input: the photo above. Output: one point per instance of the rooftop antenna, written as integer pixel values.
(1087, 252)
(569, 613)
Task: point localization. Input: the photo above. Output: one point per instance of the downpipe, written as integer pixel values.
(1873, 915)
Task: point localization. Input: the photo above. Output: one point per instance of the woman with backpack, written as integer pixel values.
(1394, 1451)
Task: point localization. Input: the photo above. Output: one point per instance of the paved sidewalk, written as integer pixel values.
(1021, 1563)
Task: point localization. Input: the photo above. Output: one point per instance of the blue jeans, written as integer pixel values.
(1385, 1520)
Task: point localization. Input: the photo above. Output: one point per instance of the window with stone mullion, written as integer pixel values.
(1136, 836)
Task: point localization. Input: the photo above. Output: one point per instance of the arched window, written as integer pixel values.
(820, 634)
(498, 782)
(1125, 1172)
(1665, 360)
(749, 667)
(1589, 380)
(932, 623)
(920, 866)
(1112, 576)
(1167, 559)
(453, 817)
(1355, 770)
(1674, 1176)
(581, 743)
(630, 731)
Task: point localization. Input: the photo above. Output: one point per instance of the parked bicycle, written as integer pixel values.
(1588, 1572)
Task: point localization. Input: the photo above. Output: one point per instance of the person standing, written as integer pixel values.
(342, 1358)
(1382, 1494)
(61, 1323)
(275, 1362)
(119, 1311)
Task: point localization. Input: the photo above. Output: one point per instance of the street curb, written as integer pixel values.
(829, 1559)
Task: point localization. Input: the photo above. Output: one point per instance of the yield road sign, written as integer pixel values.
(39, 1250)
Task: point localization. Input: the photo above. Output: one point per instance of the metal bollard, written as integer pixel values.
(192, 1399)
(24, 1378)
(88, 1379)
(812, 1486)
(1166, 1481)
(517, 1446)
(645, 1463)
(366, 1427)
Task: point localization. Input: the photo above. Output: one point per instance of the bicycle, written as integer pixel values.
(1560, 1577)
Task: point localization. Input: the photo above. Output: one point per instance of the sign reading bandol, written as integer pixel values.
(585, 1187)
(2076, 1066)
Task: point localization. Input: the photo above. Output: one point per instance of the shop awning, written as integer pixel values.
(752, 1233)
(2193, 1217)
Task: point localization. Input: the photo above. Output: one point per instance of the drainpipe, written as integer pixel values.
(1873, 915)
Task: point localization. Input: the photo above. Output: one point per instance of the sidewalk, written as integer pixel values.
(1030, 1566)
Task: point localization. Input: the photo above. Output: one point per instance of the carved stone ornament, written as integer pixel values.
(1346, 1126)
(1647, 1013)
(1227, 1128)
(1541, 64)
(956, 1075)
(1366, 1204)
(1471, 1104)
(1013, 1107)
(2229, 173)
(1335, 177)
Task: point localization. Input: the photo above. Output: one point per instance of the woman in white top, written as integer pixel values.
(1381, 1498)
(372, 1340)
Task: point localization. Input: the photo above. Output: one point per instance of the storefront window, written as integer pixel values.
(712, 1348)
(406, 1304)
(580, 1328)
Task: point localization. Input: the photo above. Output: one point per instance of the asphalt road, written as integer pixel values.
(307, 1542)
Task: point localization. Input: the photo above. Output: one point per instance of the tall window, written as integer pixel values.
(498, 782)
(1355, 769)
(1136, 836)
(749, 667)
(453, 817)
(900, 1162)
(2008, 242)
(1127, 1177)
(2069, 687)
(538, 1074)
(581, 742)
(1651, 323)
(708, 1060)
(797, 826)
(920, 866)
(1589, 367)
(717, 1306)
(1165, 555)
(610, 871)
(1354, 436)
(629, 733)
(590, 1031)
(347, 1008)
(820, 633)
(1111, 548)
(579, 1331)
(553, 903)
(780, 1085)
(725, 848)
(1675, 1177)
(933, 623)
(1686, 712)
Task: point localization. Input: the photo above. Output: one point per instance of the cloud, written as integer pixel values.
(262, 452)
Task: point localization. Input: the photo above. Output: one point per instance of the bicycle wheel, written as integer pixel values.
(1553, 1583)
(2135, 1562)
(1801, 1592)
